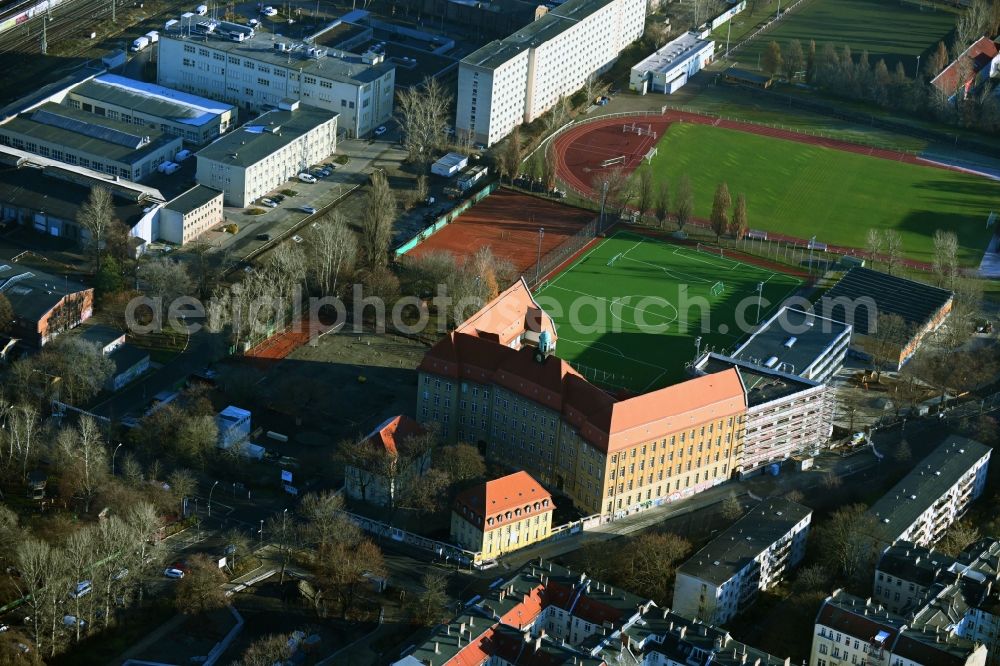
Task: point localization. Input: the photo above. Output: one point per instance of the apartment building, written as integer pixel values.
(487, 383)
(723, 579)
(934, 494)
(905, 573)
(548, 614)
(948, 593)
(517, 79)
(502, 515)
(787, 415)
(852, 630)
(75, 137)
(257, 73)
(195, 119)
(799, 342)
(263, 155)
(44, 305)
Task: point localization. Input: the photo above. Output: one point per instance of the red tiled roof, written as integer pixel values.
(607, 423)
(393, 431)
(525, 612)
(475, 653)
(493, 499)
(980, 54)
(509, 315)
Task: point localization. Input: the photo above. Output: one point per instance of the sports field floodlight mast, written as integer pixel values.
(538, 264)
(760, 292)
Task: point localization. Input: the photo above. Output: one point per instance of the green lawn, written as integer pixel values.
(633, 324)
(888, 29)
(805, 190)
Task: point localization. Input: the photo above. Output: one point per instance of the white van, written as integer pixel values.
(201, 10)
(307, 177)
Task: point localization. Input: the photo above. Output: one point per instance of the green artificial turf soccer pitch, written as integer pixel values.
(596, 307)
(805, 190)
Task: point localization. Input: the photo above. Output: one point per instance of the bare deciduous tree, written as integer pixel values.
(201, 588)
(334, 249)
(96, 215)
(873, 245)
(509, 161)
(720, 211)
(423, 117)
(83, 460)
(165, 279)
(663, 204)
(683, 202)
(945, 257)
(893, 249)
(644, 192)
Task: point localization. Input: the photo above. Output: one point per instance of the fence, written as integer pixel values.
(440, 548)
(445, 219)
(743, 42)
(556, 256)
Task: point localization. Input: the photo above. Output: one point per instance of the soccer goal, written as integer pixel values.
(718, 289)
(612, 260)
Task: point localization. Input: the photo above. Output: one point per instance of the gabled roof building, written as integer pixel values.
(502, 515)
(389, 466)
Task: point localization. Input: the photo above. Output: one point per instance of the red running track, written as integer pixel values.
(581, 150)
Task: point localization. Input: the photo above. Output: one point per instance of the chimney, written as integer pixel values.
(447, 630)
(437, 648)
(472, 622)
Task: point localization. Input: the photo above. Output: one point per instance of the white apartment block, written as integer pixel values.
(852, 630)
(257, 73)
(191, 214)
(517, 79)
(259, 157)
(722, 579)
(935, 494)
(787, 415)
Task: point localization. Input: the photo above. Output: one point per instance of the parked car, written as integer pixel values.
(318, 173)
(72, 621)
(331, 166)
(278, 197)
(326, 172)
(173, 573)
(307, 177)
(307, 209)
(82, 589)
(269, 203)
(297, 238)
(380, 130)
(559, 194)
(263, 237)
(269, 11)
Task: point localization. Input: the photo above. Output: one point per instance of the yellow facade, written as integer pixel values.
(502, 537)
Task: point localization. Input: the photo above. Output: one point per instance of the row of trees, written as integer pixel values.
(722, 221)
(840, 72)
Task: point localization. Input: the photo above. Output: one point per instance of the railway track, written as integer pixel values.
(67, 20)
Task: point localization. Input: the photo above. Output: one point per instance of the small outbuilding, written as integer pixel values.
(449, 165)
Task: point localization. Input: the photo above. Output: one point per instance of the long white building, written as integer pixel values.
(722, 579)
(935, 494)
(257, 73)
(249, 162)
(515, 80)
(669, 68)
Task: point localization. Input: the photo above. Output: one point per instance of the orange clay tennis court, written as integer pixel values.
(508, 223)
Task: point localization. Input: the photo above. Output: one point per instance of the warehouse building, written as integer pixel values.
(196, 120)
(46, 196)
(44, 305)
(517, 79)
(935, 494)
(261, 156)
(79, 138)
(863, 295)
(669, 68)
(787, 415)
(723, 579)
(258, 73)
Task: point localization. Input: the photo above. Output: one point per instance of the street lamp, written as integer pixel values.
(538, 264)
(113, 458)
(261, 532)
(760, 294)
(210, 498)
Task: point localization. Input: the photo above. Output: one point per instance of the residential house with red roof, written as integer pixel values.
(502, 515)
(378, 476)
(548, 615)
(978, 63)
